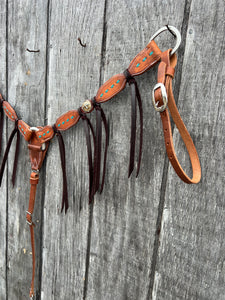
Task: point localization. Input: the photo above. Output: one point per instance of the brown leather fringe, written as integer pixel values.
(87, 127)
(15, 130)
(1, 124)
(63, 165)
(100, 118)
(98, 150)
(16, 157)
(106, 127)
(135, 98)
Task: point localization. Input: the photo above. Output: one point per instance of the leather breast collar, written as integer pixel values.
(38, 138)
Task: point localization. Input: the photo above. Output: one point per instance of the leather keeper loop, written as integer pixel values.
(170, 71)
(34, 147)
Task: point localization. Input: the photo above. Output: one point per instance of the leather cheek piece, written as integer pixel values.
(170, 71)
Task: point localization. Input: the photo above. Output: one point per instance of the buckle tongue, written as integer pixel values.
(164, 97)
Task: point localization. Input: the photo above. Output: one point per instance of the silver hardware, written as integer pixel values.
(29, 223)
(34, 129)
(176, 33)
(87, 106)
(29, 213)
(164, 97)
(43, 146)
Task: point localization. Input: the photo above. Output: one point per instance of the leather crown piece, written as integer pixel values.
(38, 138)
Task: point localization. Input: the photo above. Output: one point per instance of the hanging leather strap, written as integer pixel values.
(165, 76)
(15, 131)
(98, 149)
(63, 165)
(34, 177)
(1, 121)
(87, 127)
(106, 127)
(100, 118)
(37, 153)
(135, 99)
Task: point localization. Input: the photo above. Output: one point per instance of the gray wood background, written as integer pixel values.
(148, 238)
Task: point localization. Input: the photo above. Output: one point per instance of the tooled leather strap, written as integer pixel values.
(37, 152)
(34, 177)
(165, 76)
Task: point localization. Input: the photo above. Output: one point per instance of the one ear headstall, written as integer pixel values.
(162, 97)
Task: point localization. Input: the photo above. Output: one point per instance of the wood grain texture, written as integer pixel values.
(3, 192)
(153, 237)
(125, 215)
(26, 94)
(73, 76)
(191, 254)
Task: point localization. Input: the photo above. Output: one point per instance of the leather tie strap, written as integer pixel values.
(135, 99)
(63, 165)
(106, 127)
(15, 131)
(100, 118)
(165, 76)
(1, 121)
(87, 125)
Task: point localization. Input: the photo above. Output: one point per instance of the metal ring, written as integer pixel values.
(176, 33)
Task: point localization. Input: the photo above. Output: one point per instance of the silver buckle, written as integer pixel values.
(173, 30)
(29, 223)
(164, 97)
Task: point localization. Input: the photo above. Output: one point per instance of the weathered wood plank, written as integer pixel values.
(191, 254)
(73, 77)
(125, 216)
(26, 79)
(3, 192)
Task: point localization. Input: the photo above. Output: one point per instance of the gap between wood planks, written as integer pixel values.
(38, 296)
(166, 162)
(7, 175)
(103, 51)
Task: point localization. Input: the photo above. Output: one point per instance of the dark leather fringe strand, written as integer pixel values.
(135, 99)
(87, 128)
(15, 130)
(63, 165)
(100, 118)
